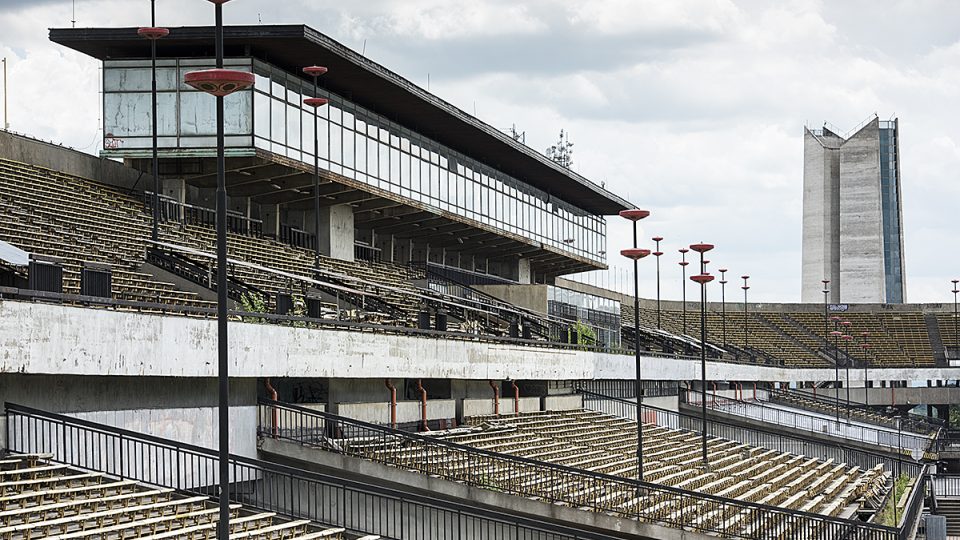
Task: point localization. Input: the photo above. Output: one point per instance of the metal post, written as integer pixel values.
(154, 168)
(723, 304)
(956, 341)
(746, 322)
(846, 351)
(636, 351)
(703, 365)
(657, 254)
(836, 365)
(316, 187)
(826, 315)
(6, 123)
(683, 267)
(223, 525)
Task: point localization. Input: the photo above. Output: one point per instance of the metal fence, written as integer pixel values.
(554, 483)
(357, 506)
(900, 441)
(909, 421)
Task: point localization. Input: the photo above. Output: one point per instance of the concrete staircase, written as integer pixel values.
(950, 508)
(936, 342)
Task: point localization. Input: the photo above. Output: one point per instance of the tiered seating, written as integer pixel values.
(42, 499)
(606, 444)
(54, 214)
(798, 400)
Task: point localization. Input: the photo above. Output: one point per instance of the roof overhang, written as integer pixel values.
(368, 84)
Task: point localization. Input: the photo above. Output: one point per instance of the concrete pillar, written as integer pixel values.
(270, 214)
(523, 272)
(336, 231)
(175, 188)
(385, 243)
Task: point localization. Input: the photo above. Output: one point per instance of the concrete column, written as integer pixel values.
(385, 243)
(175, 188)
(270, 214)
(336, 235)
(524, 274)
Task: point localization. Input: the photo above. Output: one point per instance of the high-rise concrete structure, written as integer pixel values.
(852, 217)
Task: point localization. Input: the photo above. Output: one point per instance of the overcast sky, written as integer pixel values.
(691, 109)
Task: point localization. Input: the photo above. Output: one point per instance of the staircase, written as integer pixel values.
(950, 508)
(936, 342)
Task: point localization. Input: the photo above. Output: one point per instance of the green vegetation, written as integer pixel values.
(253, 303)
(889, 514)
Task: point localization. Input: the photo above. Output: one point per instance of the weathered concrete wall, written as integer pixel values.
(563, 403)
(407, 411)
(480, 407)
(529, 296)
(898, 396)
(181, 409)
(820, 248)
(861, 233)
(52, 339)
(67, 160)
(336, 231)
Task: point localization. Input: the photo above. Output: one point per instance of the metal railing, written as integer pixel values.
(201, 274)
(330, 500)
(901, 441)
(908, 422)
(297, 237)
(554, 483)
(778, 440)
(173, 210)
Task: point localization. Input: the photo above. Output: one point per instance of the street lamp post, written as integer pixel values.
(826, 314)
(683, 280)
(866, 363)
(746, 322)
(703, 278)
(658, 254)
(956, 341)
(316, 102)
(723, 304)
(836, 333)
(846, 350)
(636, 254)
(221, 82)
(153, 33)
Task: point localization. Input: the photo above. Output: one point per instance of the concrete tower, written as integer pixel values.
(852, 218)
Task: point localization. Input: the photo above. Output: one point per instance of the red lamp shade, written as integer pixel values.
(219, 1)
(955, 291)
(865, 334)
(219, 82)
(657, 239)
(683, 263)
(846, 323)
(314, 71)
(834, 318)
(153, 32)
(702, 279)
(745, 287)
(865, 345)
(846, 337)
(634, 214)
(824, 281)
(835, 333)
(657, 253)
(316, 101)
(701, 248)
(635, 253)
(744, 277)
(683, 250)
(724, 270)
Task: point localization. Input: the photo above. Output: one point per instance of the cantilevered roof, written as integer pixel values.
(368, 84)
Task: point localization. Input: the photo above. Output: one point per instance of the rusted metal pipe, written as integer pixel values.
(516, 398)
(496, 398)
(713, 400)
(393, 402)
(423, 406)
(754, 391)
(275, 420)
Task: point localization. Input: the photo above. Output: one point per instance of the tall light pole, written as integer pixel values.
(836, 333)
(864, 336)
(6, 121)
(153, 33)
(658, 254)
(636, 254)
(956, 341)
(826, 315)
(316, 102)
(221, 82)
(846, 350)
(683, 280)
(703, 278)
(723, 304)
(746, 323)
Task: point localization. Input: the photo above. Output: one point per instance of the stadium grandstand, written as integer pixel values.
(408, 355)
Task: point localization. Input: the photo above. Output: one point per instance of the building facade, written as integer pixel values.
(852, 215)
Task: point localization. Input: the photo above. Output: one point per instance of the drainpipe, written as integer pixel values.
(516, 398)
(275, 422)
(714, 398)
(496, 398)
(393, 402)
(423, 406)
(754, 391)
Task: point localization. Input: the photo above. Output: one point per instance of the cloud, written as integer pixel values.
(693, 109)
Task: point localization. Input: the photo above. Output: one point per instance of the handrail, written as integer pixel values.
(186, 467)
(757, 436)
(199, 273)
(889, 438)
(531, 478)
(914, 421)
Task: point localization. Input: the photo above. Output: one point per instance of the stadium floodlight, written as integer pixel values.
(683, 281)
(316, 102)
(636, 254)
(153, 33)
(703, 279)
(221, 82)
(657, 253)
(723, 304)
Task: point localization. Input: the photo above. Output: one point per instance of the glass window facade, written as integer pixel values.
(353, 142)
(890, 205)
(360, 144)
(599, 313)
